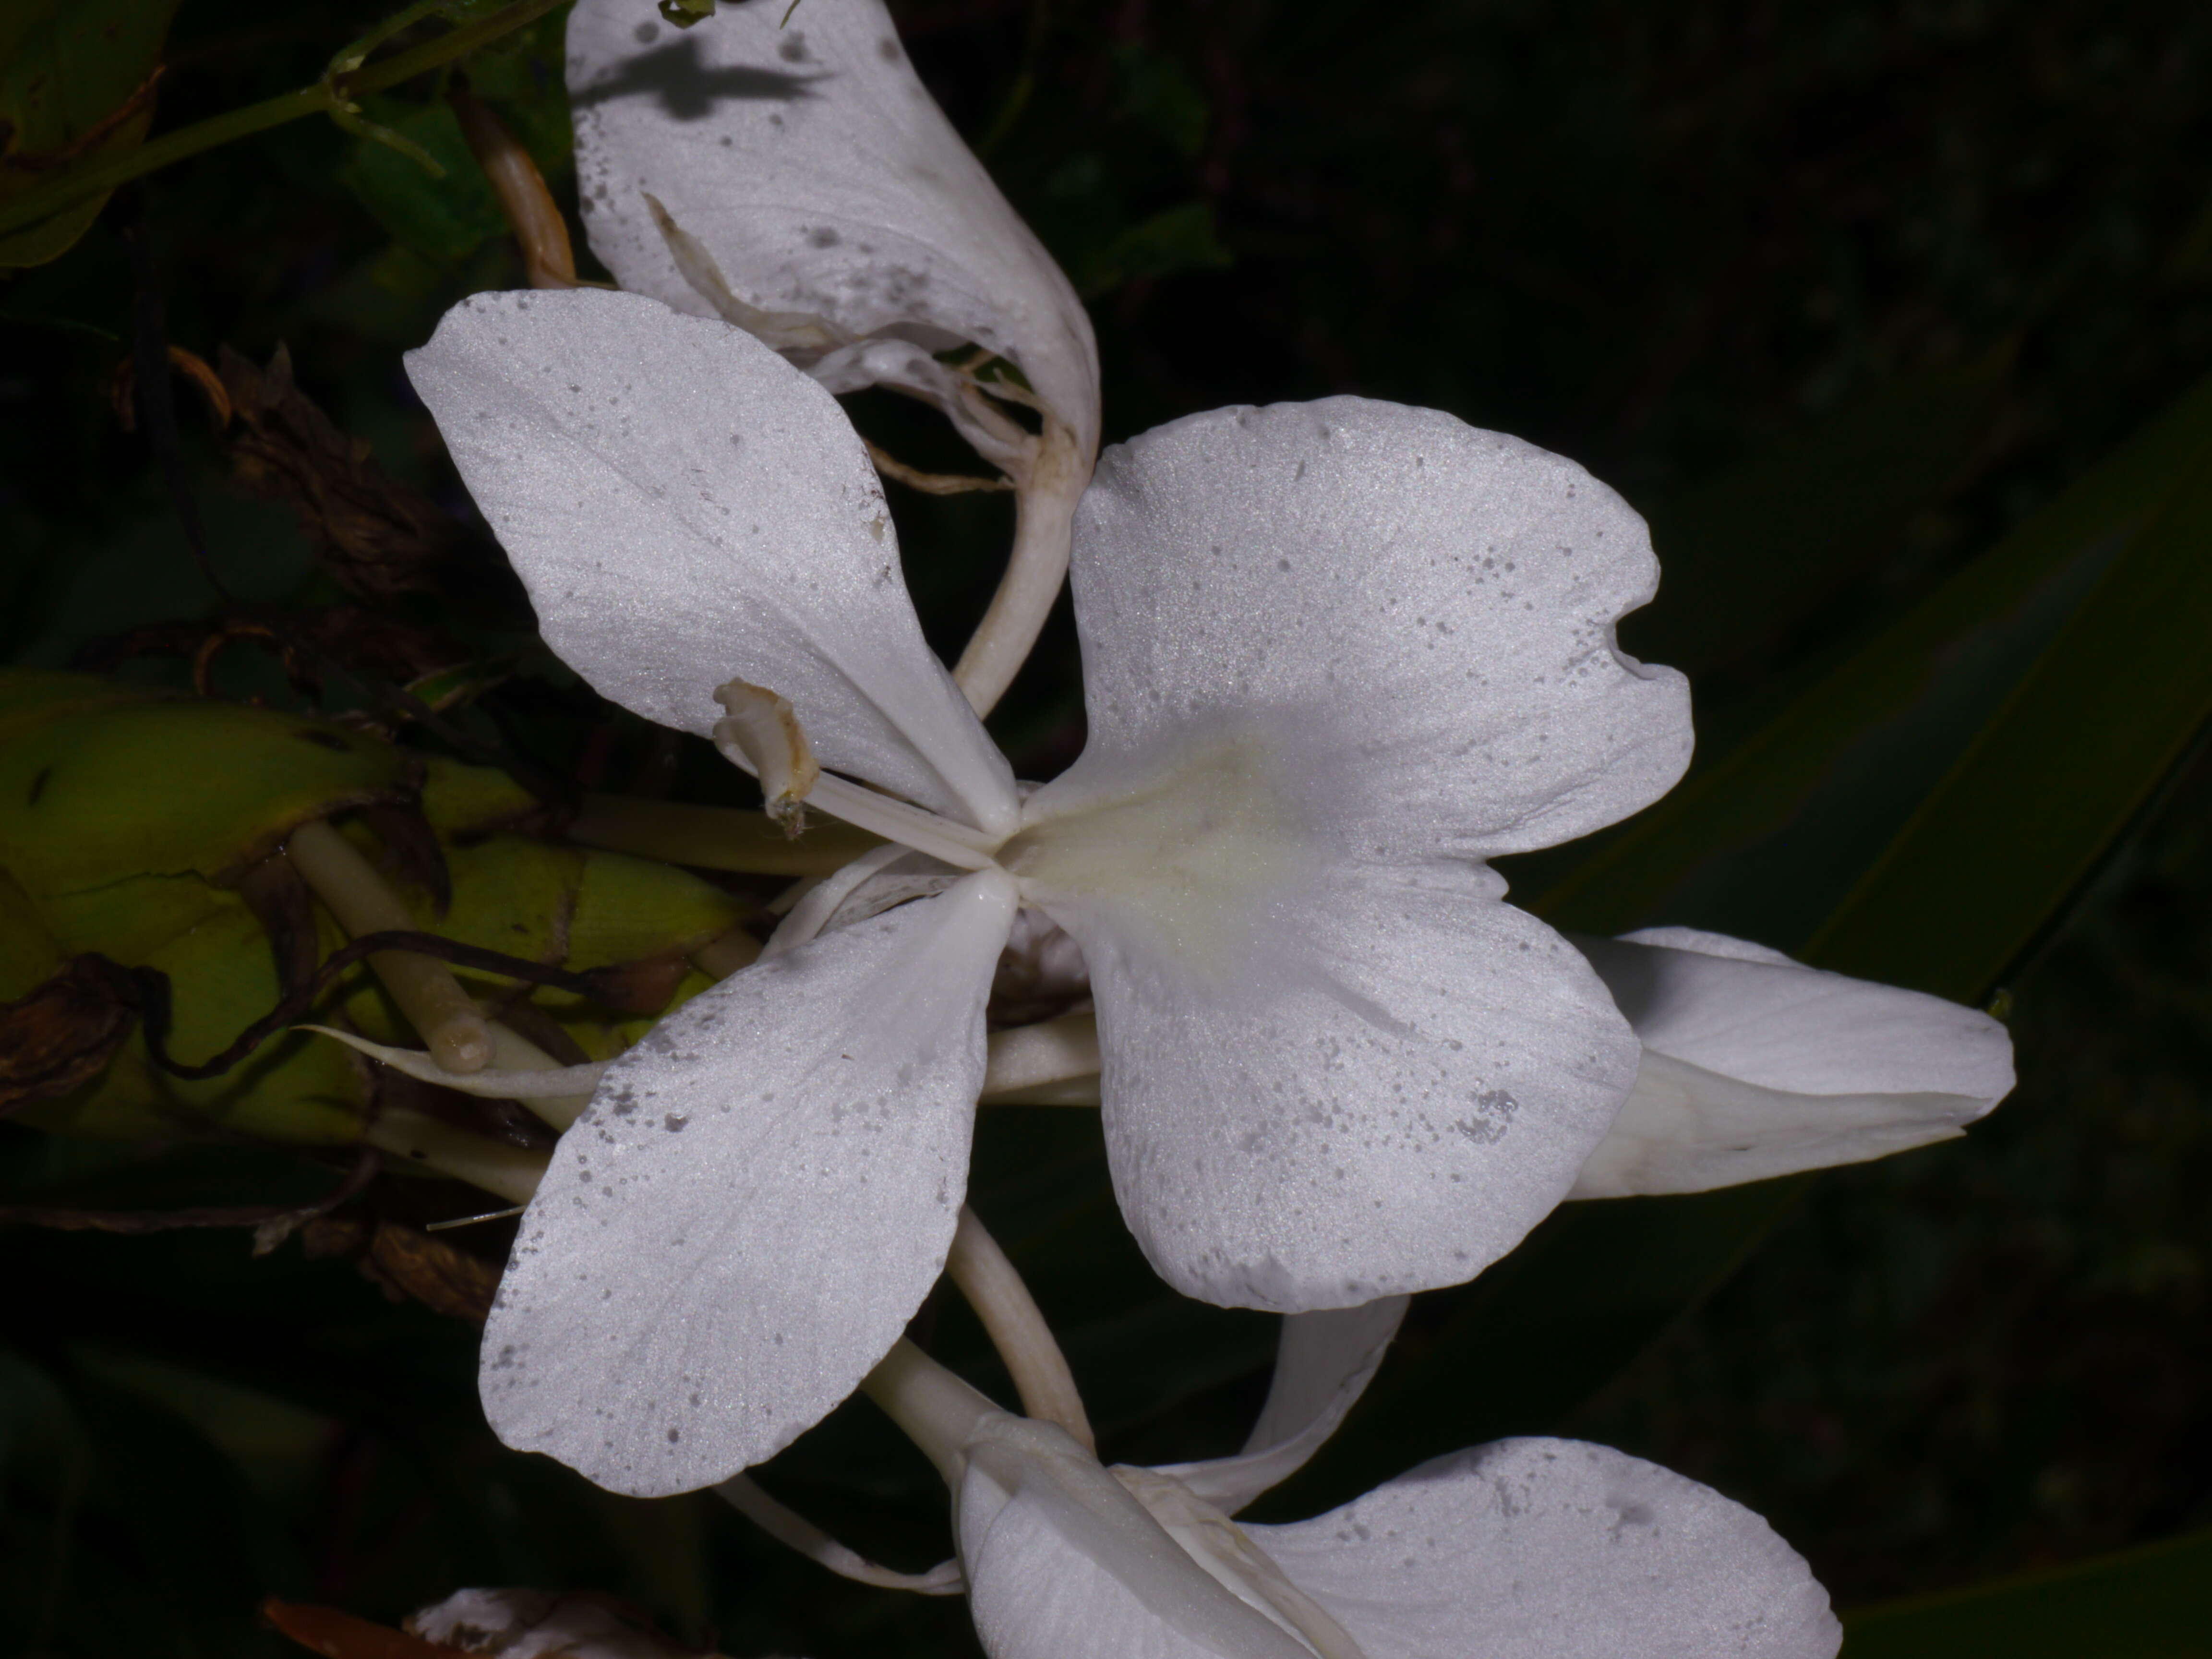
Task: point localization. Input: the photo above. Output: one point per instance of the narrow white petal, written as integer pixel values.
(1684, 1129)
(1696, 997)
(1417, 615)
(1323, 1363)
(1757, 1065)
(1063, 1563)
(759, 1197)
(492, 1083)
(810, 165)
(1552, 1549)
(686, 509)
(1370, 1085)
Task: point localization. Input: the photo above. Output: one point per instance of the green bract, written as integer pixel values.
(129, 816)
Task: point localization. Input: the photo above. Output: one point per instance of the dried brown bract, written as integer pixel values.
(375, 535)
(66, 1031)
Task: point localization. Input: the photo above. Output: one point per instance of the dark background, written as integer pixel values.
(1837, 294)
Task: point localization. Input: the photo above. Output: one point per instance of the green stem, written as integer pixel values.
(321, 99)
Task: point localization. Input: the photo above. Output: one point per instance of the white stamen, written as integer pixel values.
(763, 729)
(1047, 1055)
(959, 845)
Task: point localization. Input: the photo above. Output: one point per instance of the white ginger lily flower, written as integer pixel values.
(1523, 1549)
(1335, 655)
(1755, 1065)
(798, 180)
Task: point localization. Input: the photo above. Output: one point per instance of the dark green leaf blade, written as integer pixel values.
(2078, 748)
(2155, 1602)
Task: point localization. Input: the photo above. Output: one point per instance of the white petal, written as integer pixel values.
(809, 164)
(686, 509)
(1323, 1363)
(1377, 1086)
(758, 1198)
(1697, 997)
(1420, 614)
(1551, 1549)
(1757, 1065)
(1062, 1563)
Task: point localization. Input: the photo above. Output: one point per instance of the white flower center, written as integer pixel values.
(1190, 852)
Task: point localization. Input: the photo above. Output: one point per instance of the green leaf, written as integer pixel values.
(1754, 550)
(75, 85)
(2155, 1602)
(92, 794)
(443, 219)
(1158, 93)
(2017, 823)
(1179, 239)
(28, 952)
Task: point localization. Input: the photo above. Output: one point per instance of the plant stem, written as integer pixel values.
(1017, 1328)
(937, 1411)
(320, 98)
(363, 902)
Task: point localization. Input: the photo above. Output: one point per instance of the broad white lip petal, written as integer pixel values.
(759, 1197)
(1424, 610)
(1323, 1363)
(1062, 1561)
(686, 509)
(1554, 1549)
(1375, 1084)
(1757, 1065)
(810, 163)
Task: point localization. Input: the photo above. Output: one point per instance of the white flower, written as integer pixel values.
(1524, 1549)
(795, 179)
(1335, 655)
(1756, 1066)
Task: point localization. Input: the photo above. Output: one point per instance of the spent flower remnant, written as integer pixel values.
(792, 175)
(1334, 656)
(1524, 1549)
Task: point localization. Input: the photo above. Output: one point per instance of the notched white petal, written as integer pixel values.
(686, 509)
(1756, 1066)
(758, 1198)
(1553, 1549)
(1421, 613)
(810, 186)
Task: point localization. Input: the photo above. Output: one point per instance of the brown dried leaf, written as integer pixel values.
(375, 535)
(66, 1031)
(407, 1262)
